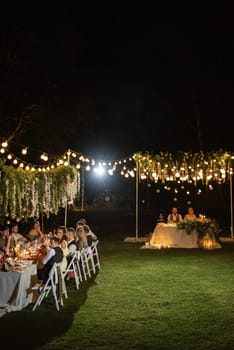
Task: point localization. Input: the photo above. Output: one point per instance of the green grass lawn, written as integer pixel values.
(140, 299)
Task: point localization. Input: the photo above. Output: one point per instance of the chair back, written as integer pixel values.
(95, 253)
(51, 286)
(72, 270)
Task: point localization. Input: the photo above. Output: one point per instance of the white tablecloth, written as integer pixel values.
(15, 289)
(167, 235)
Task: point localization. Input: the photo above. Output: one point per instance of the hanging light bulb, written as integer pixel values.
(24, 150)
(4, 144)
(44, 157)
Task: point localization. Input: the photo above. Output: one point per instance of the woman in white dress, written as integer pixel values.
(190, 214)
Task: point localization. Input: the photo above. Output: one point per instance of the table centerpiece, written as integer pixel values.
(207, 229)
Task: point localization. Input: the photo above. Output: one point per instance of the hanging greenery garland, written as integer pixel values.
(24, 193)
(185, 166)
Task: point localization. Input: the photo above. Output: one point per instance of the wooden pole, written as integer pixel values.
(42, 221)
(137, 199)
(82, 188)
(231, 204)
(65, 215)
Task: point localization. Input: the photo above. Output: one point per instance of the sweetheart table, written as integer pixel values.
(169, 236)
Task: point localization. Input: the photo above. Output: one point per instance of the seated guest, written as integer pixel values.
(89, 235)
(6, 241)
(35, 233)
(82, 222)
(71, 243)
(174, 217)
(18, 237)
(190, 214)
(2, 259)
(72, 247)
(42, 252)
(54, 255)
(82, 238)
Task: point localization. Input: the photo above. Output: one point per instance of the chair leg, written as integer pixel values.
(79, 269)
(55, 297)
(84, 268)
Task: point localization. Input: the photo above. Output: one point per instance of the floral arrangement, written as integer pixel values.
(202, 225)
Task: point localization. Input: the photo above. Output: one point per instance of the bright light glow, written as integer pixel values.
(99, 170)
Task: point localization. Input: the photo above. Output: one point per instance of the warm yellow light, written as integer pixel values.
(44, 157)
(24, 151)
(4, 144)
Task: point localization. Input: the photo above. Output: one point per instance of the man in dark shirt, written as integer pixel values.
(54, 255)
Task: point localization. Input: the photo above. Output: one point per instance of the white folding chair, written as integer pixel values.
(72, 268)
(51, 285)
(87, 262)
(95, 252)
(79, 264)
(63, 284)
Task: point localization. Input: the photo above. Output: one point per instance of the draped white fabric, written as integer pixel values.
(15, 292)
(168, 235)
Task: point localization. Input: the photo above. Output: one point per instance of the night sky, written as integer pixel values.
(108, 84)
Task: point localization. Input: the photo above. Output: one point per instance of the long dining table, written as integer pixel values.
(15, 287)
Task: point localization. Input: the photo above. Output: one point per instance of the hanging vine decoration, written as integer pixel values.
(185, 166)
(26, 194)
